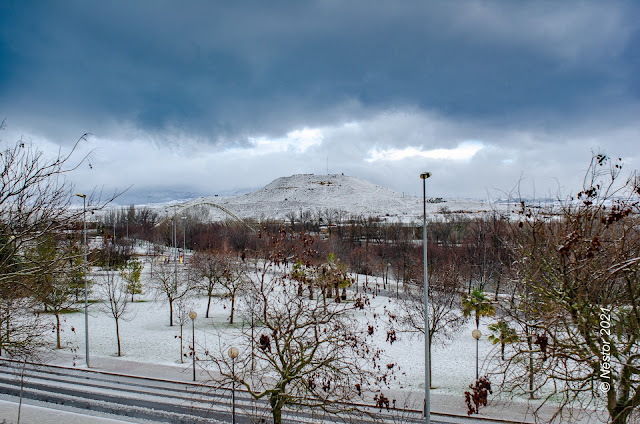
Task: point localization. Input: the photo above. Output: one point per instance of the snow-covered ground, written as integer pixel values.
(147, 337)
(43, 413)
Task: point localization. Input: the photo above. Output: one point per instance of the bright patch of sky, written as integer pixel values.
(463, 152)
(297, 141)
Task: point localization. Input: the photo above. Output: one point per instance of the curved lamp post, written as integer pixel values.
(427, 379)
(476, 335)
(86, 289)
(193, 315)
(233, 354)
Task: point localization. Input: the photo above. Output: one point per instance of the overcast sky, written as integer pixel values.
(216, 96)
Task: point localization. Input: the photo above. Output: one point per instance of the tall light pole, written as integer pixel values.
(397, 282)
(175, 248)
(86, 288)
(427, 379)
(193, 315)
(233, 354)
(184, 239)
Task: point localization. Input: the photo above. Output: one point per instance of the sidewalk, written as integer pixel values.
(33, 414)
(441, 403)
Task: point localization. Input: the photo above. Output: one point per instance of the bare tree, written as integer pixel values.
(21, 327)
(207, 267)
(174, 285)
(114, 291)
(445, 315)
(310, 353)
(578, 310)
(35, 200)
(234, 280)
(183, 307)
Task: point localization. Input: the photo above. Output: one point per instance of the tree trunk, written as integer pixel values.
(170, 312)
(530, 345)
(58, 345)
(619, 402)
(118, 336)
(8, 323)
(620, 414)
(277, 402)
(208, 305)
(233, 305)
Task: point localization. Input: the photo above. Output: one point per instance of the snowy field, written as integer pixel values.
(147, 337)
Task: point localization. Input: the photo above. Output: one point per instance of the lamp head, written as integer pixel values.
(425, 175)
(81, 195)
(233, 352)
(193, 315)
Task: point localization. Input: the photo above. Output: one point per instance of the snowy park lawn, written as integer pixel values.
(147, 337)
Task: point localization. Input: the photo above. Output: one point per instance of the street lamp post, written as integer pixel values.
(175, 248)
(86, 288)
(397, 282)
(193, 315)
(233, 354)
(476, 335)
(184, 234)
(427, 377)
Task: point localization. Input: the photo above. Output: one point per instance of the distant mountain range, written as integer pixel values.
(287, 197)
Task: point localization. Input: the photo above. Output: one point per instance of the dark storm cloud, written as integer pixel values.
(216, 96)
(231, 69)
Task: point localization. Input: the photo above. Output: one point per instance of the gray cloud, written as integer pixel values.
(158, 82)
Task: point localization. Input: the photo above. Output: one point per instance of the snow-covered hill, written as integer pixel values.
(293, 195)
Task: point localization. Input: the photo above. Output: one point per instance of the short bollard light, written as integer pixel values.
(476, 335)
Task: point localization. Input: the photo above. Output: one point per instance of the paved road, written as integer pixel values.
(140, 399)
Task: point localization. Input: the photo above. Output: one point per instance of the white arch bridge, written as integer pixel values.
(182, 207)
